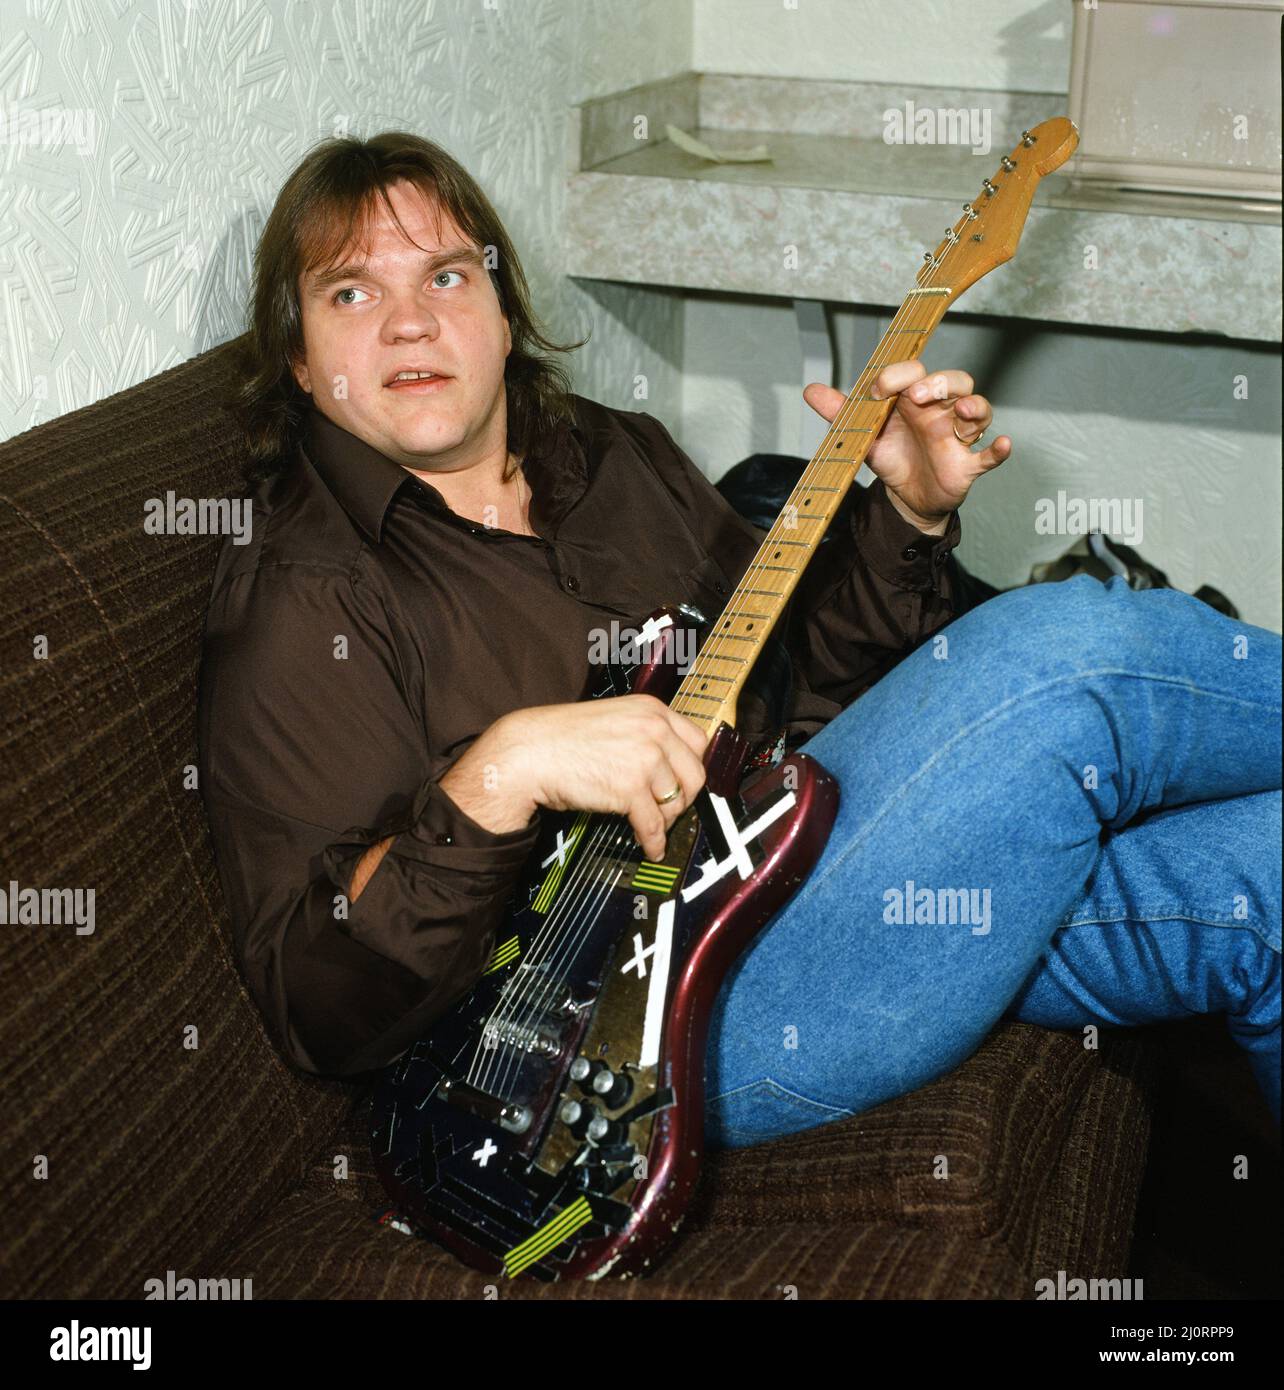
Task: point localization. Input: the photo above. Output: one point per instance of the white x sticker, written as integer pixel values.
(653, 627)
(559, 853)
(640, 954)
(738, 842)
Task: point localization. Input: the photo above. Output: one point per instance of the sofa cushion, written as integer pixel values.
(1046, 1144)
(319, 1245)
(159, 1141)
(1018, 1127)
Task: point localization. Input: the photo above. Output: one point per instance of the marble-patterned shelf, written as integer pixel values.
(860, 212)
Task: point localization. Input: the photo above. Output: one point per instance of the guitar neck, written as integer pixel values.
(711, 688)
(985, 237)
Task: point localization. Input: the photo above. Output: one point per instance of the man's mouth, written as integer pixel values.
(417, 383)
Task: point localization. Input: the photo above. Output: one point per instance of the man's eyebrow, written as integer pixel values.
(321, 281)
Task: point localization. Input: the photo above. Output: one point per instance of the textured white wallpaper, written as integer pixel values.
(164, 128)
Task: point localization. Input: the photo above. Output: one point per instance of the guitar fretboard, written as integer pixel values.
(711, 688)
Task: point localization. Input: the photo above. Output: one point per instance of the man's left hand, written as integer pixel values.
(925, 465)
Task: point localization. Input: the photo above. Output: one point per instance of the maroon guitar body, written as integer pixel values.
(552, 1123)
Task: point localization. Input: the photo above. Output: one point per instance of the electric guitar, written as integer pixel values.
(550, 1125)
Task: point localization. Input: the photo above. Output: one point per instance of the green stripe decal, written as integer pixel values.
(550, 1235)
(655, 878)
(557, 869)
(504, 955)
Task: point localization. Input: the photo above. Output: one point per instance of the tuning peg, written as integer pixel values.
(1027, 139)
(1008, 164)
(972, 213)
(990, 189)
(951, 236)
(927, 255)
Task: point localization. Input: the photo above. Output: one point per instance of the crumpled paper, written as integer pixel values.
(689, 143)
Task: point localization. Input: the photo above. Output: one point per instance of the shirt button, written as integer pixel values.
(443, 839)
(909, 553)
(573, 584)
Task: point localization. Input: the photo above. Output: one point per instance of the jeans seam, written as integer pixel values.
(1002, 711)
(793, 1095)
(1151, 917)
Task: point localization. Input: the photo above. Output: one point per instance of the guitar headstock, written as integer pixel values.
(987, 233)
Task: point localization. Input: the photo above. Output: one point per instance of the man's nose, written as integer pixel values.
(410, 315)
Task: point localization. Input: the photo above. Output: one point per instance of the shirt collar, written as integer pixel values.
(365, 481)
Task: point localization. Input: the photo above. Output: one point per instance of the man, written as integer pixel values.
(395, 666)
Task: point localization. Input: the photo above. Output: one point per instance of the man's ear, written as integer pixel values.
(301, 374)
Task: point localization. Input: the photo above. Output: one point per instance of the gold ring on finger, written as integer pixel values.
(968, 442)
(672, 796)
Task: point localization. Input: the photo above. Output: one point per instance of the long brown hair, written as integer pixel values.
(325, 207)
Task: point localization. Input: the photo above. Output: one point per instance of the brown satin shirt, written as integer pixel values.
(367, 634)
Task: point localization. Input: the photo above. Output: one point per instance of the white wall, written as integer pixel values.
(133, 256)
(1014, 45)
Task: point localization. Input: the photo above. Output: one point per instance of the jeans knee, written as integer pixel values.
(1085, 623)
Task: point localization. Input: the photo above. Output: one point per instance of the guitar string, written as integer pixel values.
(552, 935)
(547, 936)
(850, 408)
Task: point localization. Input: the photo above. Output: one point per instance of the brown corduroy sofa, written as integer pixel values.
(150, 1125)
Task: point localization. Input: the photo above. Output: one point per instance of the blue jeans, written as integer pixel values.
(1067, 813)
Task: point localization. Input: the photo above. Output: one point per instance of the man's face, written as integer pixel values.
(400, 308)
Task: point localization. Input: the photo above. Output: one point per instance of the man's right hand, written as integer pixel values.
(617, 755)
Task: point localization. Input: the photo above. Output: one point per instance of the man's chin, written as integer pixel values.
(417, 448)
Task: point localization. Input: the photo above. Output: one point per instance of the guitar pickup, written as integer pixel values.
(517, 1119)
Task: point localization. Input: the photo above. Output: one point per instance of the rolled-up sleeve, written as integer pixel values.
(312, 752)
